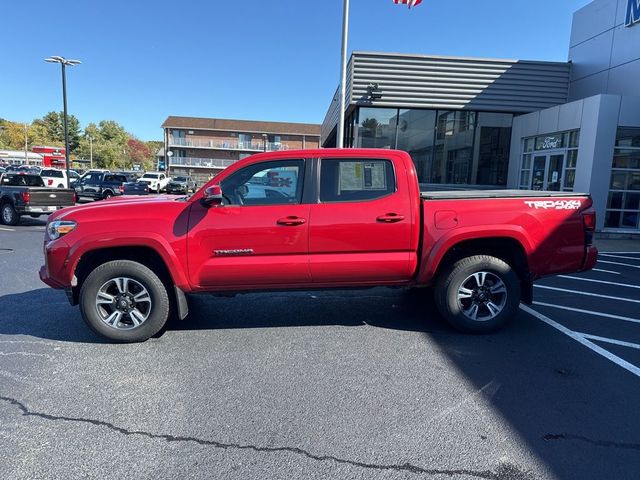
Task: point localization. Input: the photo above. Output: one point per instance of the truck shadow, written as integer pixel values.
(45, 313)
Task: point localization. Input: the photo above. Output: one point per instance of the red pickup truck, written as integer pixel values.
(314, 219)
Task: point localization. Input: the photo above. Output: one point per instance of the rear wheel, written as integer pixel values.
(60, 186)
(124, 301)
(107, 194)
(9, 215)
(478, 294)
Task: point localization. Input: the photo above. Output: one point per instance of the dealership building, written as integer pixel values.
(477, 122)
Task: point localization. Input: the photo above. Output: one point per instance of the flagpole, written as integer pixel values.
(343, 74)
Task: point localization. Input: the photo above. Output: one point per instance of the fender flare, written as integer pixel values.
(431, 263)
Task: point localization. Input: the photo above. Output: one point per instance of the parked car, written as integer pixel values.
(99, 186)
(157, 181)
(135, 188)
(130, 176)
(54, 177)
(30, 169)
(359, 221)
(180, 185)
(25, 194)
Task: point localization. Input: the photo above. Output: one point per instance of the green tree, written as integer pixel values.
(53, 124)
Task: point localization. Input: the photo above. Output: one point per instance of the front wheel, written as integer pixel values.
(124, 301)
(478, 294)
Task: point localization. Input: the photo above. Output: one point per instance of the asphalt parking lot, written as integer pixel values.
(341, 384)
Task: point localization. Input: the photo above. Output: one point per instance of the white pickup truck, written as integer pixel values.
(157, 181)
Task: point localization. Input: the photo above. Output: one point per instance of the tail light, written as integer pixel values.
(26, 197)
(74, 197)
(50, 181)
(589, 223)
(121, 188)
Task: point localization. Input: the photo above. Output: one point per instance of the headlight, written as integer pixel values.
(59, 228)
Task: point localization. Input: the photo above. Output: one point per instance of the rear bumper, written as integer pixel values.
(27, 209)
(590, 259)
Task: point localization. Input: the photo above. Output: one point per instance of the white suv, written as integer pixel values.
(54, 177)
(157, 181)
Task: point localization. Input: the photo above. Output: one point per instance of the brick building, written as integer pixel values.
(203, 147)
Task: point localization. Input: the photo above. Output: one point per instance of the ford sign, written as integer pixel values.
(633, 13)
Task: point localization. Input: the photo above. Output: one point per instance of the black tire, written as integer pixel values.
(159, 303)
(462, 292)
(34, 215)
(107, 194)
(60, 186)
(8, 214)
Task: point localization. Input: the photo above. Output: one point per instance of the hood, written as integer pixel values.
(114, 203)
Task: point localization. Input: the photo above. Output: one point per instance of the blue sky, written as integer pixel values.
(247, 59)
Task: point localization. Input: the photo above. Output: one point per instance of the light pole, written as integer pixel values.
(91, 151)
(64, 62)
(265, 137)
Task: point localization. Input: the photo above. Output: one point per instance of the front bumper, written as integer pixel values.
(56, 259)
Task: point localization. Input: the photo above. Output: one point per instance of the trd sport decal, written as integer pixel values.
(554, 204)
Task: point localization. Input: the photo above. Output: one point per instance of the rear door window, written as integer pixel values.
(355, 180)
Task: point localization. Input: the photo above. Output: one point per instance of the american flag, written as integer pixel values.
(410, 3)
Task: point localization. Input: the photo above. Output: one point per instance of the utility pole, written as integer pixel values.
(26, 141)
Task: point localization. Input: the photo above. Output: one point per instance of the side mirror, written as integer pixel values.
(212, 196)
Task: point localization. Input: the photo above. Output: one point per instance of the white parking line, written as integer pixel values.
(605, 271)
(618, 256)
(618, 253)
(589, 312)
(570, 277)
(7, 229)
(612, 341)
(618, 263)
(622, 299)
(580, 339)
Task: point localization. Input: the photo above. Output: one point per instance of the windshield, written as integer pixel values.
(150, 175)
(180, 179)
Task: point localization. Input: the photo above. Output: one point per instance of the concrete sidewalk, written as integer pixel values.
(618, 244)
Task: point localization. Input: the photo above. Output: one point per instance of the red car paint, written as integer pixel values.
(399, 239)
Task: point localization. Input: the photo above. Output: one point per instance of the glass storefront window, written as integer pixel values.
(623, 205)
(572, 158)
(574, 139)
(628, 137)
(493, 146)
(376, 128)
(455, 147)
(416, 130)
(569, 179)
(557, 159)
(528, 145)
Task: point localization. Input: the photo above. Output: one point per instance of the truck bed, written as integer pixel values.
(475, 194)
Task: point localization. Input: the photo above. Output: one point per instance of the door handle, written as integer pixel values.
(291, 221)
(390, 218)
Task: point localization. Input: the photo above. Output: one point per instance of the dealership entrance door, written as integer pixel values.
(547, 172)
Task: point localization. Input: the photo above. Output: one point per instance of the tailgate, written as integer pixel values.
(51, 197)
